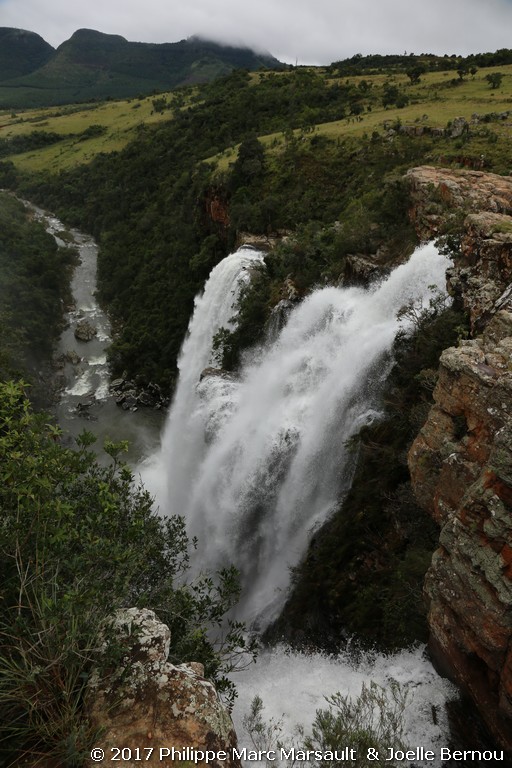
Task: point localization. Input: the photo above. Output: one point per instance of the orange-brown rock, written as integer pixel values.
(152, 706)
(217, 208)
(461, 470)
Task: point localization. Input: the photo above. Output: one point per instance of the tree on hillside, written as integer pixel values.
(494, 79)
(250, 163)
(414, 73)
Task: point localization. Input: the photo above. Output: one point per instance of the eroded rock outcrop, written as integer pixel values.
(217, 208)
(479, 206)
(461, 462)
(150, 703)
(461, 469)
(437, 193)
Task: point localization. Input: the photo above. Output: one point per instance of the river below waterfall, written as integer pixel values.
(84, 402)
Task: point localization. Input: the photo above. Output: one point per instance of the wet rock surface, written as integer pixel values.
(84, 330)
(130, 397)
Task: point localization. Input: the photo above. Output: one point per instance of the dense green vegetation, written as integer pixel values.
(21, 52)
(92, 65)
(78, 541)
(414, 63)
(34, 280)
(34, 140)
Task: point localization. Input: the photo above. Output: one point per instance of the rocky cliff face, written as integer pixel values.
(477, 207)
(149, 706)
(461, 462)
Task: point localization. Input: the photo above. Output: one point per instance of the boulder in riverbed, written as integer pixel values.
(84, 330)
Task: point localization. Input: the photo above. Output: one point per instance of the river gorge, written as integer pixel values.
(268, 450)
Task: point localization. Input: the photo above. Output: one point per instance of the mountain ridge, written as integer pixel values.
(21, 52)
(93, 65)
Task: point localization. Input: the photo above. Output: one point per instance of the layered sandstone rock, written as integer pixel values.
(149, 706)
(477, 206)
(461, 470)
(461, 462)
(438, 193)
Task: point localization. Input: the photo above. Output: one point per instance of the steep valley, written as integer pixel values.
(340, 427)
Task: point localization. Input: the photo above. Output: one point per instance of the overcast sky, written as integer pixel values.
(307, 31)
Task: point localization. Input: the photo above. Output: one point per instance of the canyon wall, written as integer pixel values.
(461, 462)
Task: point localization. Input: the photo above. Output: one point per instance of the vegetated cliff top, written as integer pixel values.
(93, 65)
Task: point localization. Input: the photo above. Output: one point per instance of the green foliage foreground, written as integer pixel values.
(367, 727)
(77, 542)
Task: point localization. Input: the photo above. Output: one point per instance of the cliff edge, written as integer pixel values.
(461, 462)
(159, 713)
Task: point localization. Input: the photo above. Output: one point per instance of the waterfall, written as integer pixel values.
(171, 473)
(256, 463)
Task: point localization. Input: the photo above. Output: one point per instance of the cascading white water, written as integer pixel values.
(293, 686)
(171, 473)
(255, 464)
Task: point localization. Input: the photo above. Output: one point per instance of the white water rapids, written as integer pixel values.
(293, 686)
(84, 368)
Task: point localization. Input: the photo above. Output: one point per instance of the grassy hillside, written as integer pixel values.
(432, 103)
(119, 121)
(92, 65)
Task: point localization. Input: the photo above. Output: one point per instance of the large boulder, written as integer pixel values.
(148, 703)
(84, 330)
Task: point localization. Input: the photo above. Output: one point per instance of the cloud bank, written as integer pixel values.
(293, 30)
